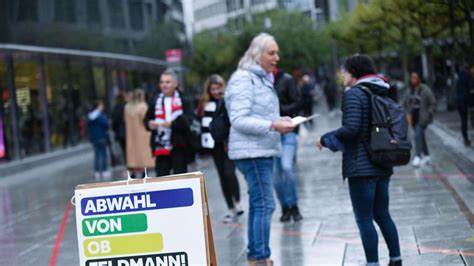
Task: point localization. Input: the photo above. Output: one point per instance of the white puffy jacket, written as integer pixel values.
(252, 105)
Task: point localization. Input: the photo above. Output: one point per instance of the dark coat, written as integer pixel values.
(118, 121)
(287, 95)
(354, 131)
(427, 105)
(464, 87)
(181, 135)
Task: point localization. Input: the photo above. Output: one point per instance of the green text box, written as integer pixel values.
(112, 225)
(122, 245)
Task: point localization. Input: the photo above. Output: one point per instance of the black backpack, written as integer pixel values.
(389, 144)
(220, 124)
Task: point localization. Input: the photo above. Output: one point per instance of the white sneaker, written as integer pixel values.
(230, 217)
(426, 160)
(416, 161)
(106, 174)
(97, 176)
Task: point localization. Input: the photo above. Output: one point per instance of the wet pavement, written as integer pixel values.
(432, 207)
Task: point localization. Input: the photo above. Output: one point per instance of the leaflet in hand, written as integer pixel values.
(299, 119)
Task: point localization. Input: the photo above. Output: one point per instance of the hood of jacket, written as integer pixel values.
(259, 71)
(376, 83)
(94, 115)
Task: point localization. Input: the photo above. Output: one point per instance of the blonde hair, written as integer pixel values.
(138, 96)
(254, 52)
(206, 94)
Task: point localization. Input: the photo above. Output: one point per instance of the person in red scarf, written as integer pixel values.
(169, 123)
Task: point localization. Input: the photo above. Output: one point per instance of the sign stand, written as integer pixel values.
(151, 221)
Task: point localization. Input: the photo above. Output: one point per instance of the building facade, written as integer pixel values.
(48, 82)
(126, 22)
(219, 14)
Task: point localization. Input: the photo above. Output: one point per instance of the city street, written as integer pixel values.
(432, 207)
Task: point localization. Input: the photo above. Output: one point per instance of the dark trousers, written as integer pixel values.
(100, 156)
(307, 109)
(226, 170)
(176, 161)
(463, 113)
(124, 152)
(370, 200)
(421, 148)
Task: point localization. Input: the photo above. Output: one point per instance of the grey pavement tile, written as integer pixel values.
(447, 245)
(443, 231)
(433, 259)
(468, 255)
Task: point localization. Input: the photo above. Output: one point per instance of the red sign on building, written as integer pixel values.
(173, 55)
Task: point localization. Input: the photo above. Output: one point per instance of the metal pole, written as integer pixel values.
(109, 94)
(14, 127)
(70, 104)
(44, 106)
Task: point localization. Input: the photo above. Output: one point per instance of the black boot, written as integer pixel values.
(295, 212)
(286, 214)
(395, 263)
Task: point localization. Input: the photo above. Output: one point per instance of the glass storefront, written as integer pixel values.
(30, 120)
(70, 87)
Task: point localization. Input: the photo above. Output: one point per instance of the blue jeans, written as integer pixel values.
(370, 199)
(100, 156)
(285, 173)
(258, 174)
(420, 141)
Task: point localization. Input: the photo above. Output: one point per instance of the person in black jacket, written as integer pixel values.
(285, 179)
(118, 122)
(307, 94)
(168, 118)
(211, 98)
(368, 183)
(464, 95)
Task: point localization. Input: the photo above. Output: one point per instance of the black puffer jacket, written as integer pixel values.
(287, 94)
(355, 130)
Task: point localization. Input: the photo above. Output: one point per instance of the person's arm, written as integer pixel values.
(431, 101)
(351, 117)
(182, 122)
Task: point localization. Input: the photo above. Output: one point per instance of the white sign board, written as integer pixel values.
(152, 222)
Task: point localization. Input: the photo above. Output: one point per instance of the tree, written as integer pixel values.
(300, 46)
(162, 37)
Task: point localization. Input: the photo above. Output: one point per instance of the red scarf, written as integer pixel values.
(163, 145)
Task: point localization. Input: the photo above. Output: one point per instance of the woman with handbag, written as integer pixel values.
(210, 100)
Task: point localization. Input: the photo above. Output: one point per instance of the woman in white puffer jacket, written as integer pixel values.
(254, 113)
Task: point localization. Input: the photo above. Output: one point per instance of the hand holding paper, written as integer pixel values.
(299, 119)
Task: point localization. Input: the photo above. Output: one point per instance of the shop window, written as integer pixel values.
(29, 108)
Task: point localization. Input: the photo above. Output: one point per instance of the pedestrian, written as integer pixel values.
(211, 98)
(98, 125)
(420, 104)
(118, 122)
(368, 183)
(168, 120)
(307, 94)
(464, 98)
(254, 113)
(285, 179)
(137, 137)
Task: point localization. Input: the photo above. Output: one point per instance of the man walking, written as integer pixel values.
(284, 166)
